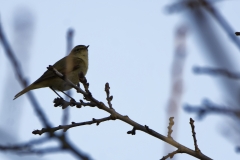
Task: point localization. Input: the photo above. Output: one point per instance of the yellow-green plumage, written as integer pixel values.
(70, 66)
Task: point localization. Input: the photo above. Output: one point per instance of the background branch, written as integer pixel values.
(208, 107)
(216, 71)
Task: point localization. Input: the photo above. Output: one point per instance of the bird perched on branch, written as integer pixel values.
(70, 66)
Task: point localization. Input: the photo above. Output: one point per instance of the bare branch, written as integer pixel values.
(66, 127)
(109, 98)
(64, 104)
(179, 6)
(171, 123)
(24, 146)
(170, 155)
(237, 33)
(208, 107)
(115, 115)
(221, 20)
(194, 135)
(216, 71)
(28, 150)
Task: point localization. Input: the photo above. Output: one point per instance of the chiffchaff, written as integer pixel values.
(70, 66)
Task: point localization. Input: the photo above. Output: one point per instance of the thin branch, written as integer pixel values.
(194, 135)
(132, 132)
(170, 155)
(109, 98)
(28, 151)
(216, 71)
(64, 104)
(221, 20)
(237, 33)
(66, 127)
(171, 123)
(208, 107)
(29, 147)
(179, 6)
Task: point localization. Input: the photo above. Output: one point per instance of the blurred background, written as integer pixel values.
(146, 50)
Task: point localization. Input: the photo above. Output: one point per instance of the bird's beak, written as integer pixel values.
(87, 46)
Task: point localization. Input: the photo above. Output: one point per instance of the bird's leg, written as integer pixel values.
(63, 93)
(55, 92)
(67, 95)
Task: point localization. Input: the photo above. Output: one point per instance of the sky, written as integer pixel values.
(132, 48)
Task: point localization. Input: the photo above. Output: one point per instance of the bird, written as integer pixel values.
(70, 66)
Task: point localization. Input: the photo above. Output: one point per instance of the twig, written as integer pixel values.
(171, 123)
(132, 132)
(170, 155)
(212, 10)
(109, 98)
(64, 104)
(23, 146)
(194, 135)
(83, 80)
(28, 150)
(237, 33)
(208, 107)
(221, 20)
(66, 127)
(216, 71)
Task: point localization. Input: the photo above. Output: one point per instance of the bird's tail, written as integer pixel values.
(31, 87)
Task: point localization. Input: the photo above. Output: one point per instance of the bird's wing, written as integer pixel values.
(73, 64)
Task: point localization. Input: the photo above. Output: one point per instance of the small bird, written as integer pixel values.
(70, 66)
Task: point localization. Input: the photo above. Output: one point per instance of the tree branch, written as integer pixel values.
(66, 127)
(115, 115)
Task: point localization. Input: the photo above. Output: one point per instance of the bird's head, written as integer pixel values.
(79, 51)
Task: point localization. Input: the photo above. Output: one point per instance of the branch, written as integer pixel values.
(64, 104)
(66, 127)
(194, 135)
(23, 146)
(28, 150)
(170, 155)
(237, 33)
(208, 107)
(115, 115)
(179, 6)
(216, 71)
(171, 123)
(221, 20)
(29, 147)
(109, 98)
